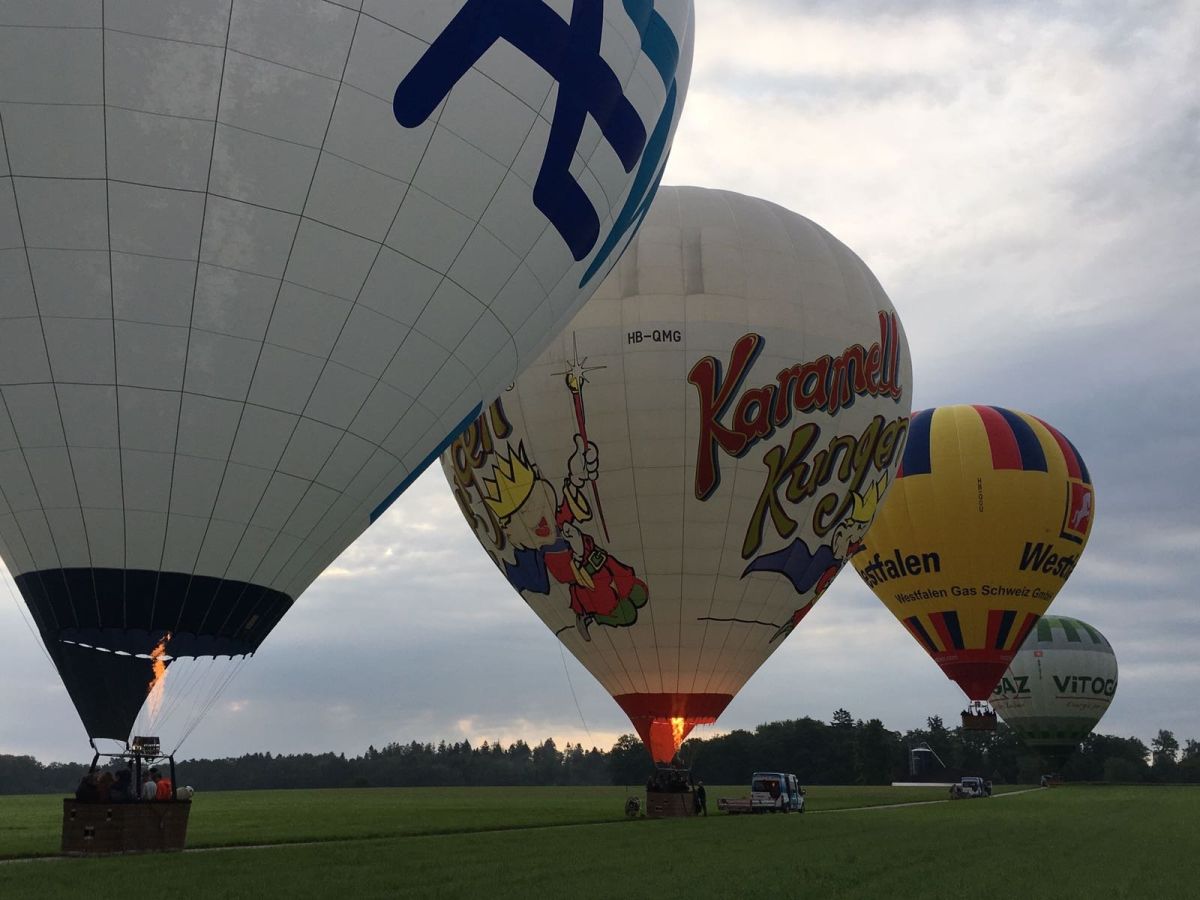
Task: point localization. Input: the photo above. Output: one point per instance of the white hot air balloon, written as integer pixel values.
(260, 260)
(1058, 687)
(679, 477)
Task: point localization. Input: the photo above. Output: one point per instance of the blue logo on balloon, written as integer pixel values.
(570, 53)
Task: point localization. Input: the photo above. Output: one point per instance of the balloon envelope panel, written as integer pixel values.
(674, 483)
(988, 517)
(260, 259)
(1058, 686)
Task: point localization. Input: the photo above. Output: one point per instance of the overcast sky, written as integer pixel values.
(1023, 179)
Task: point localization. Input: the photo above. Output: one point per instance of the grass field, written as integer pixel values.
(31, 826)
(573, 842)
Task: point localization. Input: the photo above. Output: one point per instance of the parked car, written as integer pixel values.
(970, 787)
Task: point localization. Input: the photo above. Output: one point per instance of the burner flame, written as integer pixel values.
(678, 729)
(154, 690)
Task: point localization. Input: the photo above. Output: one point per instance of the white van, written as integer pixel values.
(776, 792)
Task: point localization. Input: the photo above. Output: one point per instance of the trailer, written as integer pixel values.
(735, 806)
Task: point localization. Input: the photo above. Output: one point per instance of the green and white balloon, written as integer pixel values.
(1058, 687)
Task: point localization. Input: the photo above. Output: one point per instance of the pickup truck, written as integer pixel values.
(970, 788)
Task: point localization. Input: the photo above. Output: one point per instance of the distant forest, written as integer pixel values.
(843, 751)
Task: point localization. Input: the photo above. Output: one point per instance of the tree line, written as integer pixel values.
(843, 751)
(850, 751)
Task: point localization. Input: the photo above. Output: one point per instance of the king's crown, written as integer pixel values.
(866, 503)
(511, 482)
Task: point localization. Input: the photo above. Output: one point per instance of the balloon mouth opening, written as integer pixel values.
(663, 721)
(664, 737)
(977, 678)
(157, 654)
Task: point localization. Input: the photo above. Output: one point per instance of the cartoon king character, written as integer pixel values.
(546, 535)
(814, 571)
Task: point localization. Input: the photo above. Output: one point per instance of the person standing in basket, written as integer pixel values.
(164, 790)
(149, 788)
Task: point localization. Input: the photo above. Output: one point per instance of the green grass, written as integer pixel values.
(1069, 842)
(31, 826)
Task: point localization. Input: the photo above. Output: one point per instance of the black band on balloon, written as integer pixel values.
(130, 610)
(101, 625)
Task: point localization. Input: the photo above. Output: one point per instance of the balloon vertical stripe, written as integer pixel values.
(1076, 467)
(1003, 442)
(947, 627)
(952, 623)
(1000, 622)
(1033, 456)
(916, 459)
(913, 623)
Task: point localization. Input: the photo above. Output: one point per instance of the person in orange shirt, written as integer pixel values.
(163, 789)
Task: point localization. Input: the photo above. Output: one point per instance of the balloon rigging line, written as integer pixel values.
(214, 691)
(192, 680)
(20, 610)
(203, 712)
(195, 706)
(201, 708)
(149, 724)
(571, 685)
(188, 697)
(177, 689)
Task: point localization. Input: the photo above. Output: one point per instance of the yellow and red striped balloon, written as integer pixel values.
(989, 514)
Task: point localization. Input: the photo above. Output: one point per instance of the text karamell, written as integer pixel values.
(826, 384)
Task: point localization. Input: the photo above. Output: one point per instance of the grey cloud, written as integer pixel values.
(1156, 162)
(1118, 15)
(816, 92)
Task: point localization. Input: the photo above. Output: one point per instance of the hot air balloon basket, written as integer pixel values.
(95, 829)
(661, 805)
(979, 721)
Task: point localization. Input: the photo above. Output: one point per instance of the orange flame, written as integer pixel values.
(678, 726)
(154, 690)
